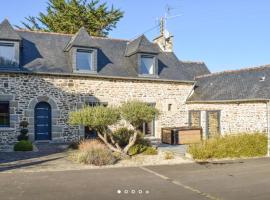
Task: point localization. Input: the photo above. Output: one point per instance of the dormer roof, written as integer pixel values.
(81, 39)
(7, 32)
(141, 45)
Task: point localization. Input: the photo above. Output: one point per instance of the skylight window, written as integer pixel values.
(84, 60)
(147, 66)
(7, 54)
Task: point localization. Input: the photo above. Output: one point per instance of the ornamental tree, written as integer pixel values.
(137, 113)
(99, 118)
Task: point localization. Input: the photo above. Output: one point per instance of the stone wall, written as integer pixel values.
(235, 118)
(66, 93)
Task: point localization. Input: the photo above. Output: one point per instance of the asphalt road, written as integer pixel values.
(247, 179)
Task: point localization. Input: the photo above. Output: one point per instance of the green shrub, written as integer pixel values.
(23, 145)
(230, 146)
(94, 152)
(141, 140)
(122, 135)
(150, 151)
(136, 149)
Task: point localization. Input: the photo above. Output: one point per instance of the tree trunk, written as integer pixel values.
(105, 140)
(131, 142)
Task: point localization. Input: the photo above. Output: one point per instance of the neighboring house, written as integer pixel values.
(44, 76)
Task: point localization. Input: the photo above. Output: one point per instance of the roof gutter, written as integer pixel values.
(99, 76)
(228, 101)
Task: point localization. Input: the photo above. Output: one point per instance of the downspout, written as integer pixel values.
(268, 129)
(191, 91)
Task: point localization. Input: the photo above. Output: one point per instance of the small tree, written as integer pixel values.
(137, 113)
(100, 118)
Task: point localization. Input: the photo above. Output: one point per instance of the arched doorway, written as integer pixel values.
(43, 118)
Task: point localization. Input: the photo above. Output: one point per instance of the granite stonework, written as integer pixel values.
(67, 93)
(235, 117)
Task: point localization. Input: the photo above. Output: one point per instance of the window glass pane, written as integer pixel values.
(96, 103)
(7, 54)
(147, 65)
(4, 114)
(84, 60)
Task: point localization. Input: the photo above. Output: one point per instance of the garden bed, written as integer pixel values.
(245, 145)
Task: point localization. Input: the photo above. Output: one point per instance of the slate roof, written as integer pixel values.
(46, 53)
(7, 32)
(81, 39)
(141, 45)
(244, 84)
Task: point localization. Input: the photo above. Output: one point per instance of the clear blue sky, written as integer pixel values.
(225, 34)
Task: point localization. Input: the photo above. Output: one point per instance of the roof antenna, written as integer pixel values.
(163, 21)
(164, 40)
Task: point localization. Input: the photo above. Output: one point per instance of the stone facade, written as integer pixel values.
(67, 93)
(235, 117)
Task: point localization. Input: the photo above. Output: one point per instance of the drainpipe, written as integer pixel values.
(268, 129)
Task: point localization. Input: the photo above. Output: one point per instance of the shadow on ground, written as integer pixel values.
(45, 153)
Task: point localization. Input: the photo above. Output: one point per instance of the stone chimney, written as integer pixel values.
(165, 43)
(164, 40)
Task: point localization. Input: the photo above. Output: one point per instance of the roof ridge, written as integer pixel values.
(69, 34)
(191, 61)
(234, 71)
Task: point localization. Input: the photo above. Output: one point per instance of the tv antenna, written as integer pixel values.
(163, 21)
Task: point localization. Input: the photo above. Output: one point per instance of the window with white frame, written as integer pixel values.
(84, 60)
(147, 65)
(7, 54)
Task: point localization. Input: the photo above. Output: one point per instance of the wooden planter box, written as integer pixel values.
(189, 135)
(181, 135)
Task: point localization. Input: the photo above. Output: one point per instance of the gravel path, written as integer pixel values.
(51, 157)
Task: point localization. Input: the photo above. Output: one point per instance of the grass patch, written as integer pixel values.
(230, 146)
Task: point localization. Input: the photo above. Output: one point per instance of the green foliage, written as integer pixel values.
(23, 146)
(150, 151)
(97, 118)
(23, 131)
(136, 113)
(230, 146)
(22, 137)
(137, 149)
(68, 16)
(24, 124)
(141, 140)
(93, 152)
(122, 135)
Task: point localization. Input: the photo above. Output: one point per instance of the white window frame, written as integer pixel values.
(91, 67)
(154, 65)
(10, 44)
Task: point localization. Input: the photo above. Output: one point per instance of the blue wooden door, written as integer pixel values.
(43, 121)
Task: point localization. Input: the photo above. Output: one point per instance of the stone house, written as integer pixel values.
(44, 76)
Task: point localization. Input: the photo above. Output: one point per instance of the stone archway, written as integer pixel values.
(56, 130)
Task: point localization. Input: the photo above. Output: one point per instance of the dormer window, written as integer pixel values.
(84, 60)
(147, 65)
(7, 54)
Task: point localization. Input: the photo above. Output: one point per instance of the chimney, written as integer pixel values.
(164, 40)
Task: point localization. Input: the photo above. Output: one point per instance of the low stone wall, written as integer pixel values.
(8, 136)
